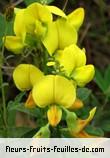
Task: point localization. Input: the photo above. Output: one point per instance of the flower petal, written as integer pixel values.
(25, 76)
(54, 115)
(50, 40)
(14, 44)
(55, 10)
(76, 105)
(34, 12)
(54, 89)
(67, 35)
(30, 102)
(76, 18)
(19, 27)
(70, 58)
(84, 74)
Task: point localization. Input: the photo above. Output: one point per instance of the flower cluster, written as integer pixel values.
(34, 26)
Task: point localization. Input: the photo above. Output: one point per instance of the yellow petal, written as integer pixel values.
(65, 91)
(84, 75)
(54, 115)
(35, 74)
(34, 12)
(30, 102)
(76, 105)
(70, 58)
(14, 44)
(50, 40)
(25, 76)
(43, 91)
(39, 12)
(55, 10)
(67, 35)
(54, 89)
(76, 18)
(19, 27)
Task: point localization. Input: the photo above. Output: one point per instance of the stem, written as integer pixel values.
(1, 81)
(65, 4)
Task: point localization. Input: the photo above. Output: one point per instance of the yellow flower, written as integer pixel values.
(72, 60)
(25, 76)
(81, 124)
(54, 115)
(54, 89)
(36, 13)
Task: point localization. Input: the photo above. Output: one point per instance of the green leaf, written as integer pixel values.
(94, 131)
(28, 2)
(83, 93)
(20, 107)
(11, 118)
(105, 125)
(100, 80)
(14, 132)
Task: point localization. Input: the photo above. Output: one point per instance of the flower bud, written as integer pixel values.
(44, 132)
(54, 115)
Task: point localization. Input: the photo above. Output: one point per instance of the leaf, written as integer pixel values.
(19, 97)
(105, 125)
(28, 2)
(94, 131)
(14, 132)
(20, 107)
(11, 118)
(83, 93)
(100, 80)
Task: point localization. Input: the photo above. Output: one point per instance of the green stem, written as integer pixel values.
(1, 81)
(65, 4)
